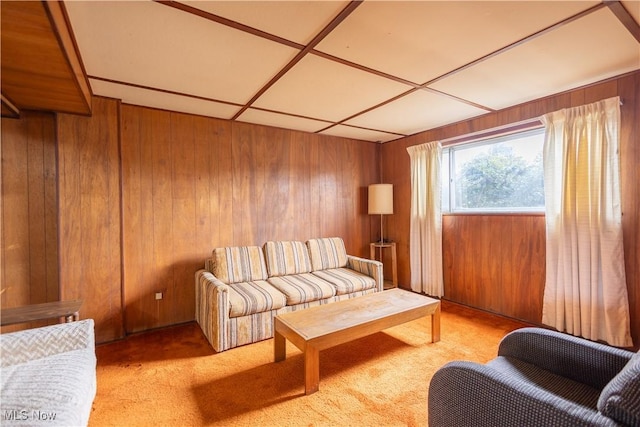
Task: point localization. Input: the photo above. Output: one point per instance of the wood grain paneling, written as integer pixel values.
(490, 261)
(173, 207)
(89, 215)
(497, 263)
(41, 69)
(29, 215)
(183, 184)
(192, 183)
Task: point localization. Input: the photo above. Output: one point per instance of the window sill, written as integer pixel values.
(493, 213)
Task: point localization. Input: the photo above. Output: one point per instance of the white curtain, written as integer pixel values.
(585, 292)
(425, 244)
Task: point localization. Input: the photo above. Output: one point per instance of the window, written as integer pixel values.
(498, 174)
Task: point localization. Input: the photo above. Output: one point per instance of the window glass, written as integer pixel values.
(502, 174)
(445, 180)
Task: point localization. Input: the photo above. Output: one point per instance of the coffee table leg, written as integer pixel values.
(279, 347)
(311, 370)
(435, 325)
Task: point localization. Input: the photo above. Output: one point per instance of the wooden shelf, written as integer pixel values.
(64, 310)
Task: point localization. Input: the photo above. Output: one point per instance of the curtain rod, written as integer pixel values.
(499, 130)
(496, 131)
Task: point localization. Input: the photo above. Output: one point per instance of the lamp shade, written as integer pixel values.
(381, 199)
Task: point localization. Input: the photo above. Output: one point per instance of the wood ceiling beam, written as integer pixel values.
(303, 50)
(624, 17)
(229, 23)
(308, 48)
(160, 90)
(518, 43)
(365, 69)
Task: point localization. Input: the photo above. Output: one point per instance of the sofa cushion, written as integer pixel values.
(239, 264)
(300, 288)
(254, 297)
(287, 258)
(620, 398)
(327, 253)
(346, 280)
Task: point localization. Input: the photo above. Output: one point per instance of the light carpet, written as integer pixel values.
(172, 377)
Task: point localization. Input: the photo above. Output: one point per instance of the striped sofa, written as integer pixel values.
(241, 289)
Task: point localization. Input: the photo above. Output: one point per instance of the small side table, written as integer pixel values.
(66, 311)
(394, 265)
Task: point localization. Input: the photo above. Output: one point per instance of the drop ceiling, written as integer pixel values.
(370, 70)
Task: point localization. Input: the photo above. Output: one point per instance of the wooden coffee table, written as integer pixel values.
(317, 328)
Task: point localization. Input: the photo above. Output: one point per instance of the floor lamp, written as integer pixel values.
(381, 203)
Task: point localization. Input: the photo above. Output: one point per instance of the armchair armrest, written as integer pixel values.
(581, 360)
(212, 309)
(467, 394)
(31, 344)
(371, 268)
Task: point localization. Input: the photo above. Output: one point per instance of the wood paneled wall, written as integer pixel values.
(192, 183)
(144, 195)
(496, 263)
(29, 273)
(89, 215)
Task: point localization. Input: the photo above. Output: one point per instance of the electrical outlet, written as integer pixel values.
(158, 295)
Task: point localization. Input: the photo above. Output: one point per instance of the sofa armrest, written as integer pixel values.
(369, 267)
(212, 309)
(469, 394)
(581, 360)
(32, 344)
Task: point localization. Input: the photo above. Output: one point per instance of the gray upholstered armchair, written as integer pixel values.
(540, 378)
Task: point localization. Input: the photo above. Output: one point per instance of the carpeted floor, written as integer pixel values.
(172, 377)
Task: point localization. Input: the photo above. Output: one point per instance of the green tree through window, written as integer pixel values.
(499, 174)
(500, 179)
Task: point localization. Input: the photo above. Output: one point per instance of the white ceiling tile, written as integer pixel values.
(418, 111)
(357, 133)
(153, 45)
(252, 115)
(584, 51)
(327, 90)
(162, 100)
(150, 44)
(297, 21)
(421, 40)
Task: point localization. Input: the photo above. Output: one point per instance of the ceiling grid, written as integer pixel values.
(370, 70)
